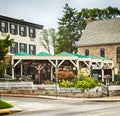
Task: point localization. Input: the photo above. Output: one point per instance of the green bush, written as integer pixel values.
(66, 83)
(4, 104)
(86, 84)
(117, 77)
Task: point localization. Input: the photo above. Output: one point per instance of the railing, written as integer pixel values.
(16, 84)
(104, 89)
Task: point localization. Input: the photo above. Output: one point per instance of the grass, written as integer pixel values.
(4, 104)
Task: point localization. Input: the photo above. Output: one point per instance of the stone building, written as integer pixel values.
(102, 38)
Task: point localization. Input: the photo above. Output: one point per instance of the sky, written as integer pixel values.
(47, 12)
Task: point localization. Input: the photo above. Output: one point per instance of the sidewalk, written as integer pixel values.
(17, 109)
(100, 99)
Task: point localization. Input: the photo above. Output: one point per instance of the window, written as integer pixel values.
(118, 53)
(23, 31)
(102, 52)
(32, 49)
(13, 29)
(32, 32)
(4, 27)
(86, 52)
(14, 48)
(23, 47)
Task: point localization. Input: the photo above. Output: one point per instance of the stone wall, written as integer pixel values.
(110, 51)
(88, 94)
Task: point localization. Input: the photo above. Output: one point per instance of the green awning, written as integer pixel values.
(44, 54)
(22, 54)
(71, 54)
(80, 56)
(93, 57)
(64, 54)
(103, 58)
(98, 57)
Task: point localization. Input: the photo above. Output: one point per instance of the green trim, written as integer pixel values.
(44, 54)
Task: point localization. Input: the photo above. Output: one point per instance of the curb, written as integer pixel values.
(5, 111)
(108, 100)
(82, 99)
(103, 99)
(20, 95)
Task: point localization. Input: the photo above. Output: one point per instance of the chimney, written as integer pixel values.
(88, 20)
(22, 19)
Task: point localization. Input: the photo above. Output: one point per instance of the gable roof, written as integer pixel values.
(101, 32)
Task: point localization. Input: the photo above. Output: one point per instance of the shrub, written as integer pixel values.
(66, 75)
(66, 83)
(86, 84)
(117, 77)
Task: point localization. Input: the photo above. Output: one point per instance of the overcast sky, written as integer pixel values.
(47, 12)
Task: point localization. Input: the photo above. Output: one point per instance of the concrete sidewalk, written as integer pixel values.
(100, 99)
(17, 109)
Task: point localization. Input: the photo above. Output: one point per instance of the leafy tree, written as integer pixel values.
(4, 61)
(95, 14)
(73, 23)
(48, 39)
(45, 42)
(4, 44)
(67, 31)
(3, 65)
(53, 35)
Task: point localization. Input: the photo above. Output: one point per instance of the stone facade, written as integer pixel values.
(110, 52)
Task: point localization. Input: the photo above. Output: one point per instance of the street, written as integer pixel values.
(69, 107)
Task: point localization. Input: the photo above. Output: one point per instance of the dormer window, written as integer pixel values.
(4, 27)
(32, 32)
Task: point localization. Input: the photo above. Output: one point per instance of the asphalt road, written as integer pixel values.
(49, 107)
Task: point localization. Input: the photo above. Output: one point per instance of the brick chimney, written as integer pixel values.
(88, 20)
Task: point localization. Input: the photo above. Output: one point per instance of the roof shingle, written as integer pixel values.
(101, 32)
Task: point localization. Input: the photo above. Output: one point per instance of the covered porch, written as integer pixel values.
(45, 66)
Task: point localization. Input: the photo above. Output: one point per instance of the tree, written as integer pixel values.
(4, 61)
(95, 14)
(4, 44)
(67, 31)
(73, 23)
(48, 39)
(53, 35)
